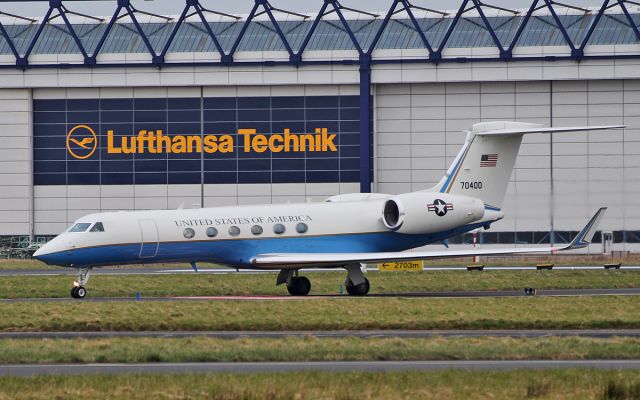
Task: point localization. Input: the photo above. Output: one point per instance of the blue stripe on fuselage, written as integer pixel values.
(240, 251)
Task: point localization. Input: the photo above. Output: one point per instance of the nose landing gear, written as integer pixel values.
(78, 291)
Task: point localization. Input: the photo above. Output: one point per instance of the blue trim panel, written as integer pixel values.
(366, 115)
(239, 252)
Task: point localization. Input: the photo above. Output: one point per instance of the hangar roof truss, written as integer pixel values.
(274, 32)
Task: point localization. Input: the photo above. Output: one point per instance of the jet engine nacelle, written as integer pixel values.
(427, 212)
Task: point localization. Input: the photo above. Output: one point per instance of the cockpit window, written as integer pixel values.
(97, 227)
(81, 227)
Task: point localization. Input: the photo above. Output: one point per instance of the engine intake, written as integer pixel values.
(393, 214)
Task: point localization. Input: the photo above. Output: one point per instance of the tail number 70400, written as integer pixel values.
(471, 185)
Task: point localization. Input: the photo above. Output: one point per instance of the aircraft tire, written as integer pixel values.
(358, 290)
(81, 292)
(299, 286)
(74, 292)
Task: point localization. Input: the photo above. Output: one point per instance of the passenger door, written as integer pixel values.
(148, 238)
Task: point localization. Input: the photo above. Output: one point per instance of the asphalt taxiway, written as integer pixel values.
(331, 366)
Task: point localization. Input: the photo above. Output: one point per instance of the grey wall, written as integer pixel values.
(15, 164)
(418, 135)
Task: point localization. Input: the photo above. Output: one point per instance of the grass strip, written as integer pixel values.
(202, 349)
(322, 283)
(519, 384)
(597, 312)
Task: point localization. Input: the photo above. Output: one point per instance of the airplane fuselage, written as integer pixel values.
(233, 235)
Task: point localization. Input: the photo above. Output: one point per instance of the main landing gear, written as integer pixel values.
(299, 286)
(78, 291)
(356, 283)
(296, 285)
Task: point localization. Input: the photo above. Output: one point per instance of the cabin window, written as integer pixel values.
(301, 227)
(188, 233)
(97, 227)
(81, 227)
(278, 229)
(234, 230)
(212, 232)
(256, 230)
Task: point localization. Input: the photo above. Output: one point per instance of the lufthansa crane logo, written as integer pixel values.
(440, 207)
(82, 142)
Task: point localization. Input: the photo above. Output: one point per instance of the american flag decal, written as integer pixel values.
(488, 160)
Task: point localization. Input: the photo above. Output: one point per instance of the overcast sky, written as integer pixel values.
(106, 7)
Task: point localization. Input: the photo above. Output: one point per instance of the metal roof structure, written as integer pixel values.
(334, 27)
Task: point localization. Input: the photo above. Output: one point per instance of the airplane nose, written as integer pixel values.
(38, 254)
(44, 253)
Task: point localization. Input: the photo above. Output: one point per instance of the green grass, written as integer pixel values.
(194, 284)
(519, 384)
(13, 264)
(320, 313)
(204, 349)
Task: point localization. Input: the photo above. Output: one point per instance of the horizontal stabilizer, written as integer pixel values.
(545, 129)
(297, 260)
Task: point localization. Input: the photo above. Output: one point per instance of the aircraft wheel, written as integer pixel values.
(78, 292)
(358, 290)
(299, 286)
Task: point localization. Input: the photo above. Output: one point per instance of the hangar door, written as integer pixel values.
(148, 238)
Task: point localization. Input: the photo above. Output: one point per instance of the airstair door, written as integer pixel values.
(148, 238)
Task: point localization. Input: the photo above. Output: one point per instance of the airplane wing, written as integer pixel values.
(583, 239)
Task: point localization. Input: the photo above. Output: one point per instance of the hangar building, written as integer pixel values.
(91, 105)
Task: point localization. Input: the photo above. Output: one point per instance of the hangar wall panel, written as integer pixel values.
(15, 164)
(559, 180)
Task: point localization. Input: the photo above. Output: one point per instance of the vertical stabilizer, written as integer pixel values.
(483, 167)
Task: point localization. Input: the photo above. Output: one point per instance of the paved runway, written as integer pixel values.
(168, 270)
(465, 294)
(332, 366)
(454, 333)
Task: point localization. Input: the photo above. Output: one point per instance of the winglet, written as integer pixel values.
(584, 237)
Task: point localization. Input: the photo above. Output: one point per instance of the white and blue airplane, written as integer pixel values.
(342, 232)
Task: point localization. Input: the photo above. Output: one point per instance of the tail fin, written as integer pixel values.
(483, 167)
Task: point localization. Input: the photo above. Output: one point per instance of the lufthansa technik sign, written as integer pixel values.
(156, 142)
(294, 139)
